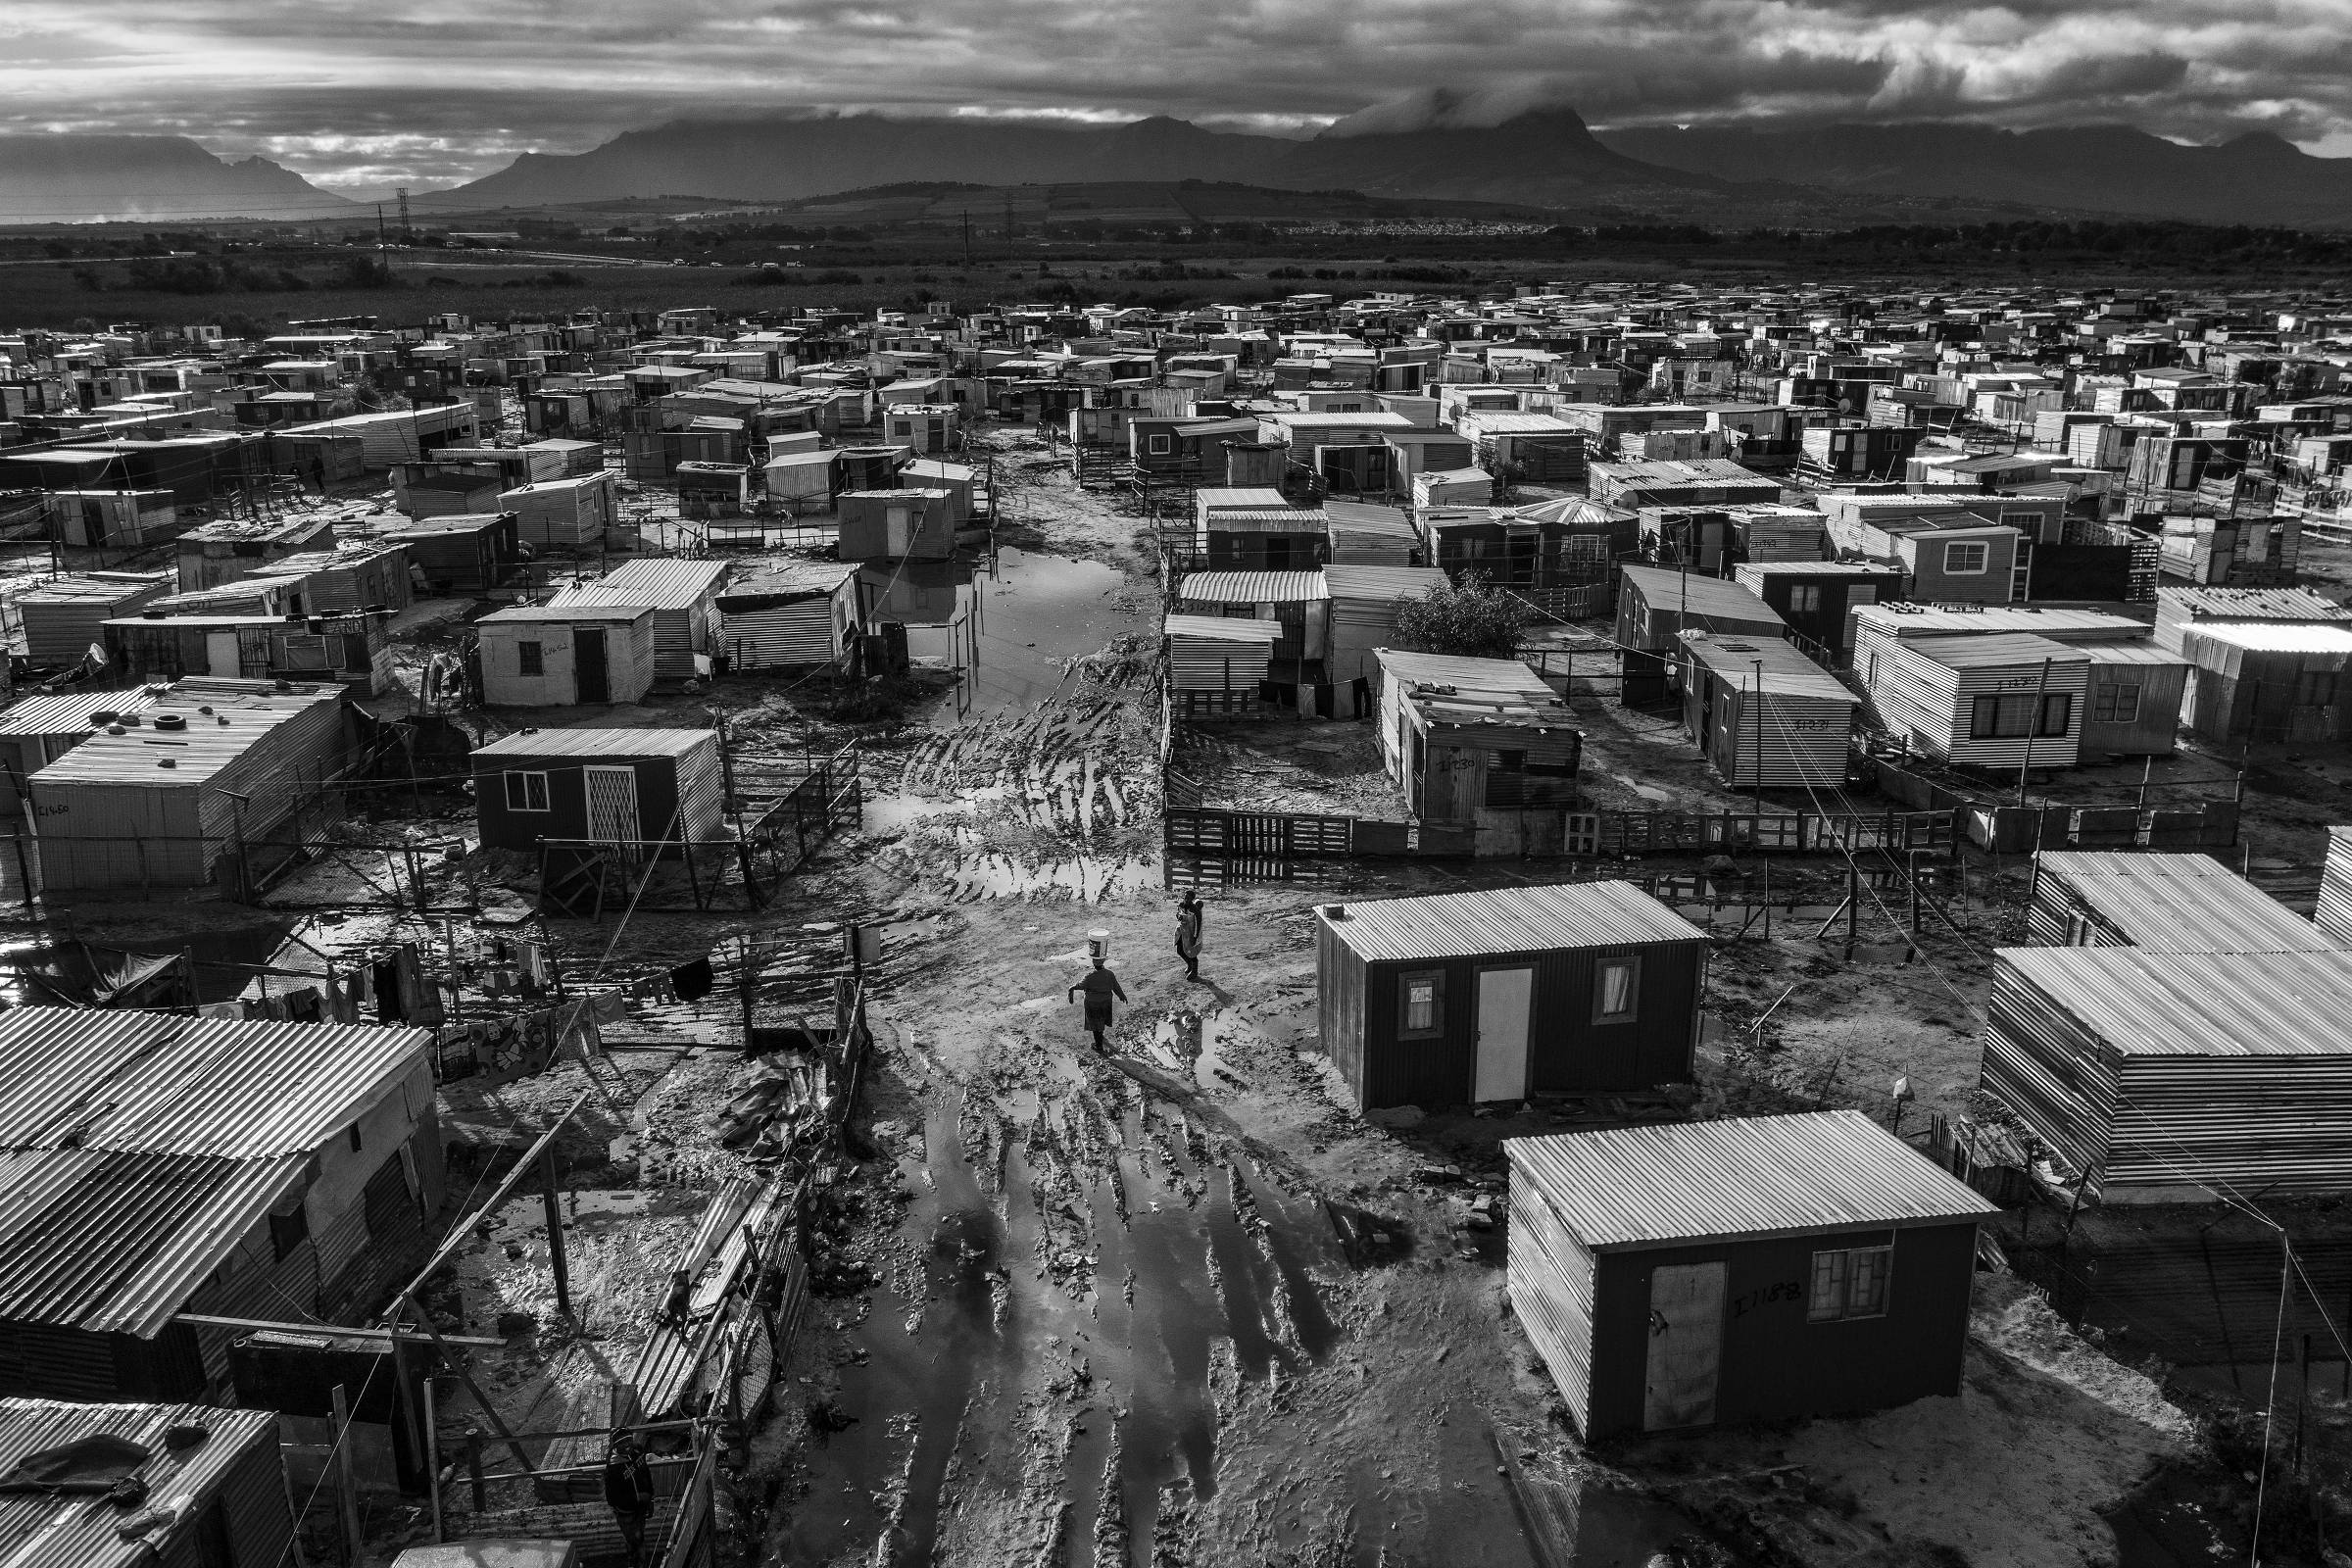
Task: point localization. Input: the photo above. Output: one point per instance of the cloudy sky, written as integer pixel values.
(359, 94)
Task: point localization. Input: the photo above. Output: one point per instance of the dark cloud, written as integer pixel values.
(433, 91)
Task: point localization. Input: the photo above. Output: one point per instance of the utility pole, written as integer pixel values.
(403, 194)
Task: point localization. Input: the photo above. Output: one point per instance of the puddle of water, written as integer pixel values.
(919, 593)
(1038, 613)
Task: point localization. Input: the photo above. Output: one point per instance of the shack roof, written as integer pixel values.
(1702, 598)
(1250, 588)
(787, 579)
(2181, 903)
(1736, 1180)
(1223, 628)
(595, 743)
(1529, 920)
(2141, 1003)
(2059, 623)
(2249, 604)
(1786, 673)
(2268, 637)
(94, 588)
(1994, 649)
(1368, 517)
(563, 610)
(1382, 584)
(243, 715)
(40, 1530)
(68, 713)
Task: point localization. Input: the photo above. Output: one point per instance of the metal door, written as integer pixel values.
(221, 656)
(1505, 997)
(590, 681)
(898, 531)
(612, 805)
(1686, 1347)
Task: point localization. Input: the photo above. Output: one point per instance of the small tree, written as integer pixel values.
(1467, 618)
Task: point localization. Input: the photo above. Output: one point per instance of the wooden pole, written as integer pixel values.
(555, 1231)
(432, 1459)
(474, 1469)
(2032, 729)
(347, 1487)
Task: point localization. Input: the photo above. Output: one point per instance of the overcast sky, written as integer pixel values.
(363, 93)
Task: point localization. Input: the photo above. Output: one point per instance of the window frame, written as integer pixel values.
(513, 775)
(1984, 557)
(1158, 444)
(1843, 1309)
(1436, 1027)
(1804, 598)
(2040, 725)
(530, 657)
(1631, 962)
(2115, 702)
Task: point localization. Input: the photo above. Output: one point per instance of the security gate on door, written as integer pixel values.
(1503, 998)
(613, 808)
(1686, 1347)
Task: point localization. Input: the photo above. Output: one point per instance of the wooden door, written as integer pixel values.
(591, 682)
(1686, 1347)
(1504, 999)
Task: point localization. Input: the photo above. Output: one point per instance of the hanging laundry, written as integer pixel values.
(693, 980)
(385, 975)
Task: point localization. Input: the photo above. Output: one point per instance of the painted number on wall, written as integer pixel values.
(1766, 1295)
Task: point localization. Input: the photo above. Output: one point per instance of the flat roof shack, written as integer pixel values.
(1766, 716)
(556, 656)
(1705, 1274)
(1244, 535)
(232, 1481)
(1216, 664)
(1561, 543)
(348, 577)
(222, 552)
(1771, 533)
(641, 789)
(1585, 988)
(2239, 552)
(1364, 604)
(114, 519)
(1984, 702)
(1817, 597)
(1547, 449)
(1297, 600)
(2180, 608)
(217, 776)
(62, 617)
(1475, 741)
(438, 489)
(355, 649)
(2269, 683)
(1949, 552)
(683, 596)
(231, 1168)
(2185, 903)
(917, 524)
(469, 553)
(2159, 1077)
(792, 616)
(1367, 534)
(38, 731)
(1701, 482)
(1656, 605)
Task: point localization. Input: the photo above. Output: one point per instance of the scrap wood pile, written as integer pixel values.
(1080, 768)
(780, 1108)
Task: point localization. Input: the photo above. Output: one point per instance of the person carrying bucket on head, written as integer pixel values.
(1188, 933)
(1099, 986)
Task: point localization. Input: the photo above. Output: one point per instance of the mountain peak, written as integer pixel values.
(1452, 109)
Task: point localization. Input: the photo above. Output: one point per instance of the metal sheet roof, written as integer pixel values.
(117, 1243)
(563, 610)
(158, 1083)
(1364, 516)
(1529, 920)
(1664, 588)
(78, 1531)
(1384, 584)
(68, 713)
(1964, 652)
(238, 720)
(2058, 625)
(2147, 1004)
(1250, 588)
(666, 584)
(1825, 1171)
(614, 742)
(2250, 603)
(1223, 628)
(1574, 511)
(2182, 903)
(2271, 636)
(1786, 672)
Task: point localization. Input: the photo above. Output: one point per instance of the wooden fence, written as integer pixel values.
(1594, 835)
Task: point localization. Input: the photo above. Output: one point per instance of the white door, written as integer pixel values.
(898, 530)
(1503, 997)
(612, 806)
(221, 653)
(1686, 1347)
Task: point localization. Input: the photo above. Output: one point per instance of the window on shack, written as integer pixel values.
(526, 792)
(2012, 717)
(1421, 1005)
(1849, 1283)
(1966, 558)
(530, 659)
(2315, 688)
(1804, 598)
(2114, 703)
(1616, 990)
(1159, 446)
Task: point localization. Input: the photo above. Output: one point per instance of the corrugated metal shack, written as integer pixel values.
(1217, 663)
(1764, 714)
(791, 615)
(1466, 736)
(2270, 682)
(2135, 690)
(222, 552)
(2333, 916)
(1364, 601)
(2162, 1076)
(62, 617)
(353, 649)
(550, 655)
(468, 554)
(349, 577)
(572, 512)
(1817, 599)
(1553, 544)
(683, 596)
(217, 770)
(1702, 1274)
(2183, 903)
(37, 731)
(611, 786)
(2178, 609)
(1984, 702)
(234, 1168)
(113, 520)
(1271, 536)
(1296, 599)
(1583, 988)
(1365, 534)
(229, 1494)
(1656, 605)
(915, 524)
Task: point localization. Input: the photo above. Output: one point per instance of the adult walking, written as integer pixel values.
(1099, 986)
(629, 1490)
(1188, 933)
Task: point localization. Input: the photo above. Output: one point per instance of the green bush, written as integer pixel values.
(1467, 618)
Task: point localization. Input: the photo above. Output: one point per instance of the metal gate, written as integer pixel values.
(612, 807)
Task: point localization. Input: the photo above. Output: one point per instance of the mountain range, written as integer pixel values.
(69, 178)
(1544, 158)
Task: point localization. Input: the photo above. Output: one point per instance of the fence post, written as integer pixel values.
(347, 1491)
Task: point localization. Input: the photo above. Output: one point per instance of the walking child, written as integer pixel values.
(1099, 986)
(1188, 933)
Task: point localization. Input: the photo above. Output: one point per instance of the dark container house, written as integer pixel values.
(1656, 605)
(1817, 597)
(1583, 988)
(624, 787)
(1701, 1274)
